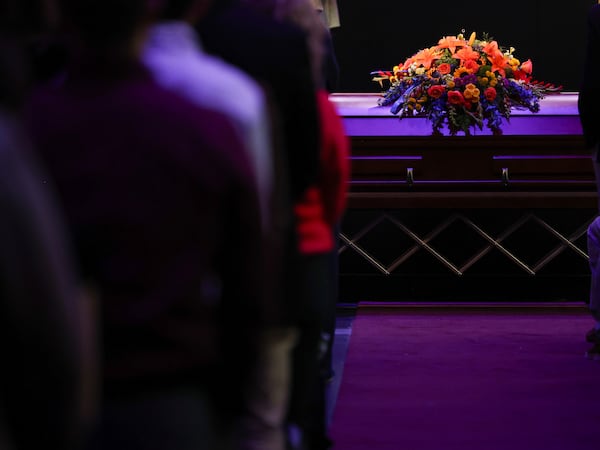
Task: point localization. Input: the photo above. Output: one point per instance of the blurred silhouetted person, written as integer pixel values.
(40, 328)
(161, 202)
(589, 99)
(174, 55)
(316, 215)
(177, 60)
(317, 200)
(275, 53)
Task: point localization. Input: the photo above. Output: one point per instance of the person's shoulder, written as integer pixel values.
(203, 138)
(201, 123)
(207, 80)
(228, 74)
(177, 111)
(240, 95)
(237, 88)
(594, 13)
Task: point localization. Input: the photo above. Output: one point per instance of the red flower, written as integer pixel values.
(490, 94)
(455, 98)
(471, 65)
(444, 68)
(435, 91)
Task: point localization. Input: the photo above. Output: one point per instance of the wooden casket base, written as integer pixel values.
(461, 218)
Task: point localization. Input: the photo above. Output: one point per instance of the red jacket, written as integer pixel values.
(323, 203)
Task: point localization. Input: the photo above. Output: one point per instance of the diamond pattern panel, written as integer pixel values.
(462, 242)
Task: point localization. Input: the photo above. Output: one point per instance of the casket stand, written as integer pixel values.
(466, 218)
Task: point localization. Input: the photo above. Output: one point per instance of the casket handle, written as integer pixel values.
(410, 178)
(505, 177)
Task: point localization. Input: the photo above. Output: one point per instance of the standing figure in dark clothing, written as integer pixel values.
(316, 216)
(283, 64)
(276, 55)
(160, 200)
(589, 99)
(41, 379)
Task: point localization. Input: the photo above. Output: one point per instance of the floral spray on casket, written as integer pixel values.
(462, 83)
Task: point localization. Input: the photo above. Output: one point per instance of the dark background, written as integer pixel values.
(381, 34)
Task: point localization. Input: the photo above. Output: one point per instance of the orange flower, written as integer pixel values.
(491, 48)
(427, 56)
(466, 54)
(527, 67)
(499, 63)
(471, 65)
(444, 68)
(407, 63)
(451, 42)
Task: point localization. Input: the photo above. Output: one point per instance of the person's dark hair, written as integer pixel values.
(22, 16)
(20, 22)
(14, 73)
(103, 24)
(176, 9)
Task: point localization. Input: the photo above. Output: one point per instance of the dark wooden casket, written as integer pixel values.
(459, 218)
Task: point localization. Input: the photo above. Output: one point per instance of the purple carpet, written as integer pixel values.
(468, 380)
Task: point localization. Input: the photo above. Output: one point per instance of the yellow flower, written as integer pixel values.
(460, 71)
(472, 38)
(471, 92)
(483, 81)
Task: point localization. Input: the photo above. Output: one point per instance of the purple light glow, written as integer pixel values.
(378, 158)
(582, 182)
(541, 157)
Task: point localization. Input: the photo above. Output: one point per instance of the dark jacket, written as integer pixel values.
(275, 54)
(163, 211)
